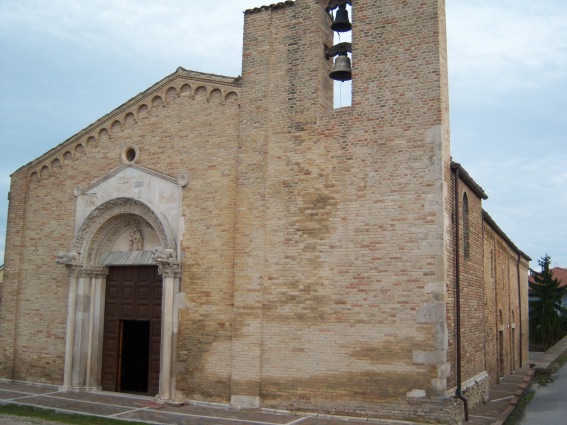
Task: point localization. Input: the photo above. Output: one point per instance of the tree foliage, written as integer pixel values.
(547, 315)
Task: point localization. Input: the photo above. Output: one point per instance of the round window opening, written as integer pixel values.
(129, 155)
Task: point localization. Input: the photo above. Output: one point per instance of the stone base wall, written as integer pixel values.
(447, 410)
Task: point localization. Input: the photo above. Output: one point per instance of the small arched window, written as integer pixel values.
(466, 227)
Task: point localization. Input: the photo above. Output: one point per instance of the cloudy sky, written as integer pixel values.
(66, 63)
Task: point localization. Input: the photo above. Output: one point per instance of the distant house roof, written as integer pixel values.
(558, 273)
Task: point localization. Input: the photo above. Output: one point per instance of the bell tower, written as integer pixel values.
(343, 215)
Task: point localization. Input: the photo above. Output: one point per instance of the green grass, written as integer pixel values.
(540, 379)
(64, 418)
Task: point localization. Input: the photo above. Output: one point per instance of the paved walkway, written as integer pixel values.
(548, 404)
(144, 409)
(503, 398)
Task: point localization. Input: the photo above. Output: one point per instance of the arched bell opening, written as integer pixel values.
(124, 273)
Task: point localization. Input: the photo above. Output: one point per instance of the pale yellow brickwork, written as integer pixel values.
(316, 245)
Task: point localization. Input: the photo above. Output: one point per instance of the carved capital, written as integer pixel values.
(166, 259)
(74, 270)
(94, 272)
(166, 270)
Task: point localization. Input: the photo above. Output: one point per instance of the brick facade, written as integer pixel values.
(314, 248)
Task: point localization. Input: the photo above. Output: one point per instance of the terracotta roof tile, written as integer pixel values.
(559, 273)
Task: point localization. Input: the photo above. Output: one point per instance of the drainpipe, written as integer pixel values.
(520, 309)
(459, 391)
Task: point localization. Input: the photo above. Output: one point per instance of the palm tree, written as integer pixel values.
(547, 315)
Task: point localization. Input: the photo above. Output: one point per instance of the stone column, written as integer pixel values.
(74, 272)
(85, 315)
(170, 270)
(96, 327)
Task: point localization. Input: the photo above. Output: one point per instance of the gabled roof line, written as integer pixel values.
(180, 73)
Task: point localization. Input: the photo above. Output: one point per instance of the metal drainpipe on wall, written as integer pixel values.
(459, 391)
(520, 309)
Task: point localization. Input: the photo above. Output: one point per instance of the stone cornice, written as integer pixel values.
(149, 171)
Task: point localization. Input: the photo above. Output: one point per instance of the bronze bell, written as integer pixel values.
(341, 22)
(342, 71)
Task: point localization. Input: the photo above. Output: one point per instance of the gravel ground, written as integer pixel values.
(20, 420)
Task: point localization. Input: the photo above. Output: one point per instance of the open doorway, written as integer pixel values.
(135, 356)
(132, 330)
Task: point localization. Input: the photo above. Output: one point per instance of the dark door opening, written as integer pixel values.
(501, 353)
(132, 330)
(134, 356)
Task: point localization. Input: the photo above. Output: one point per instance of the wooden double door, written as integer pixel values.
(132, 330)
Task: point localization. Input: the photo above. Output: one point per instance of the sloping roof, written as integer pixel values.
(464, 176)
(558, 273)
(490, 221)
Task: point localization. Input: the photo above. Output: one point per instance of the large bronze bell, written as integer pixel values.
(341, 22)
(342, 70)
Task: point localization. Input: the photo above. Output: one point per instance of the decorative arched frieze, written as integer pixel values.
(216, 97)
(44, 172)
(79, 149)
(184, 83)
(116, 127)
(91, 142)
(157, 102)
(185, 90)
(143, 111)
(171, 94)
(231, 97)
(129, 120)
(201, 94)
(103, 135)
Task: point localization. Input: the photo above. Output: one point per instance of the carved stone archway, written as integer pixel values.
(88, 263)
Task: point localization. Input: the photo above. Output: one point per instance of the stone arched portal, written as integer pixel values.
(121, 231)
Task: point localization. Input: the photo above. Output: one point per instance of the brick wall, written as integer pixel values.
(176, 127)
(317, 244)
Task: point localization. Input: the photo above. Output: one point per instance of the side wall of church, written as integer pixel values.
(181, 125)
(474, 382)
(506, 330)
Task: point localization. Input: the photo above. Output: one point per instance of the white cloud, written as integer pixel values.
(527, 199)
(507, 44)
(171, 27)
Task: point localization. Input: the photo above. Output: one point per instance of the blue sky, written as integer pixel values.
(66, 63)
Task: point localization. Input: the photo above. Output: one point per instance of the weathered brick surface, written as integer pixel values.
(317, 244)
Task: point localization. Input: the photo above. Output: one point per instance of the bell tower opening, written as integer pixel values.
(342, 68)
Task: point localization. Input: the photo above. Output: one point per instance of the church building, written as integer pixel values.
(241, 241)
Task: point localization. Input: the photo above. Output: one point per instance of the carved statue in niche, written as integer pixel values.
(136, 240)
